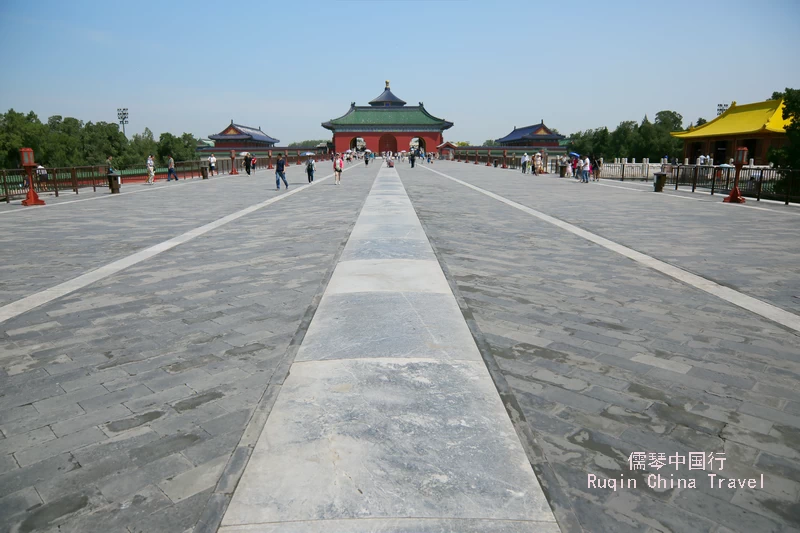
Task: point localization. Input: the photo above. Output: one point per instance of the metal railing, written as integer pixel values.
(14, 182)
(754, 182)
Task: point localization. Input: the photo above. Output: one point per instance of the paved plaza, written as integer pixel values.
(446, 348)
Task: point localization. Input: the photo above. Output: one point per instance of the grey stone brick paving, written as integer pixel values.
(602, 357)
(122, 404)
(124, 407)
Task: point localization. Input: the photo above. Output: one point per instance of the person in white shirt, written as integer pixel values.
(586, 166)
(151, 170)
(212, 164)
(524, 162)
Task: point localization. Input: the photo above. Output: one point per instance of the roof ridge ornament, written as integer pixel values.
(387, 84)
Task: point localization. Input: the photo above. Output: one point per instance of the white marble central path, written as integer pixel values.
(389, 420)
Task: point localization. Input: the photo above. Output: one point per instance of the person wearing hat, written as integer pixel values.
(525, 160)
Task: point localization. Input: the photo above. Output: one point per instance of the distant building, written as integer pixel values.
(387, 124)
(758, 126)
(537, 137)
(240, 138)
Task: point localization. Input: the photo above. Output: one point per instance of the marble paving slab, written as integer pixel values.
(389, 420)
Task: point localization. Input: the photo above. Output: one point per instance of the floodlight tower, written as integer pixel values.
(122, 117)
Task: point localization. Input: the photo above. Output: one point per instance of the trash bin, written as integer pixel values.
(114, 182)
(562, 171)
(659, 181)
(204, 172)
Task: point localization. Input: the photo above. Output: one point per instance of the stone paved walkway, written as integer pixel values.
(123, 405)
(603, 357)
(132, 404)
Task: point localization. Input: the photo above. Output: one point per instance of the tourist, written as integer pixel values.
(412, 158)
(280, 173)
(110, 169)
(586, 168)
(212, 164)
(579, 168)
(366, 159)
(338, 165)
(253, 162)
(171, 169)
(311, 166)
(596, 164)
(41, 174)
(524, 163)
(151, 170)
(536, 167)
(247, 161)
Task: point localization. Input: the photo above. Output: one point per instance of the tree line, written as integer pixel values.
(66, 142)
(69, 142)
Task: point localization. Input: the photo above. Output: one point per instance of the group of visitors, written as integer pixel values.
(582, 168)
(534, 164)
(172, 173)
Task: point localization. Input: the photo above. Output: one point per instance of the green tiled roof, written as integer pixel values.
(386, 116)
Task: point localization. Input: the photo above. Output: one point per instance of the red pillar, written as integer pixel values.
(233, 162)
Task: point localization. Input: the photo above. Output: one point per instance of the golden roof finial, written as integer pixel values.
(387, 84)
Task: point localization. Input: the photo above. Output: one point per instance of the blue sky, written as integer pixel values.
(486, 66)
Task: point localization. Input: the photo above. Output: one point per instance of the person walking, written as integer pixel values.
(151, 170)
(248, 159)
(587, 165)
(212, 164)
(311, 166)
(338, 165)
(366, 158)
(171, 169)
(412, 158)
(280, 173)
(596, 164)
(253, 162)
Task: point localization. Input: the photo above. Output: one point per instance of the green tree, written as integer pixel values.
(180, 148)
(580, 142)
(20, 131)
(622, 140)
(665, 144)
(139, 147)
(789, 156)
(601, 142)
(778, 95)
(307, 144)
(100, 140)
(669, 120)
(463, 143)
(63, 142)
(700, 122)
(490, 142)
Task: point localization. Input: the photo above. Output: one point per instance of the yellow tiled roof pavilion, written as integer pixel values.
(760, 117)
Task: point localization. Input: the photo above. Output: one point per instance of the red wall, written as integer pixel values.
(342, 140)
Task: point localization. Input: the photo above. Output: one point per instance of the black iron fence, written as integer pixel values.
(757, 182)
